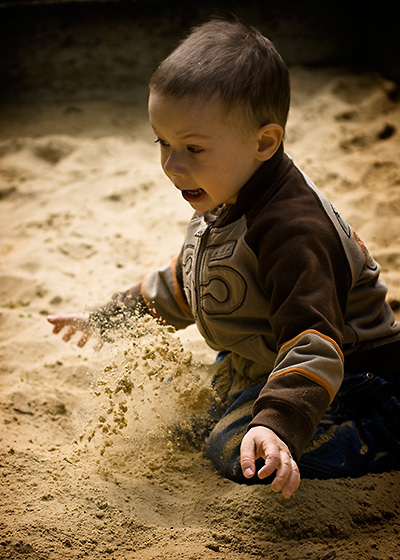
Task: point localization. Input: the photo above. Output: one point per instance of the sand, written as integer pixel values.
(92, 463)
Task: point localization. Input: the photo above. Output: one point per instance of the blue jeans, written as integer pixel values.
(359, 433)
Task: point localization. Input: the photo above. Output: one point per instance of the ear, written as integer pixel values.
(269, 138)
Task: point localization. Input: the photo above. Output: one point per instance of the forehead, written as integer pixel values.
(186, 113)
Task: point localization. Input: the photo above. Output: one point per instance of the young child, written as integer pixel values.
(272, 275)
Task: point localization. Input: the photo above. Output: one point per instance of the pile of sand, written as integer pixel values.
(92, 463)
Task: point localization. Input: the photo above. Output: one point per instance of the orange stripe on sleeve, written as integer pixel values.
(312, 331)
(308, 375)
(177, 289)
(151, 309)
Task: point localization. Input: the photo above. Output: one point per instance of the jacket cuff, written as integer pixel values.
(291, 406)
(288, 424)
(118, 310)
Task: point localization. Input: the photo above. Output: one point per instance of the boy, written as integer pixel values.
(270, 273)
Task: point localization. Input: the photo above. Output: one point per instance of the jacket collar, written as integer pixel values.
(257, 186)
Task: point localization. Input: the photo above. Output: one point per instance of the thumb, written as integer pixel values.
(247, 456)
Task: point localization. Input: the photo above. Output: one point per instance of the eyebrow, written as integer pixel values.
(194, 135)
(187, 135)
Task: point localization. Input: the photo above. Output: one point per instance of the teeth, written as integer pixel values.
(195, 192)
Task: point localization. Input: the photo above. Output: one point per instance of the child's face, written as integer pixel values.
(207, 156)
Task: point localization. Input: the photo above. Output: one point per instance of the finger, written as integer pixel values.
(69, 334)
(283, 472)
(57, 327)
(247, 456)
(293, 482)
(99, 345)
(272, 458)
(84, 338)
(58, 322)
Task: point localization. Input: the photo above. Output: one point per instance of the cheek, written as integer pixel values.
(229, 170)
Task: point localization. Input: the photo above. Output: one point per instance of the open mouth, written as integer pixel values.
(192, 195)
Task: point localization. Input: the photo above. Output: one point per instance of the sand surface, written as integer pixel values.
(91, 463)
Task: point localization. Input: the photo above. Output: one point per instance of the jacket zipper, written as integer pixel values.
(203, 234)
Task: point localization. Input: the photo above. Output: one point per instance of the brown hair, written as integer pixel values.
(234, 62)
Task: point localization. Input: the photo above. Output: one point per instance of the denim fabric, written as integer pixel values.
(359, 433)
(223, 444)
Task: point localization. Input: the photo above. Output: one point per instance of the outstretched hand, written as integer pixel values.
(73, 323)
(260, 441)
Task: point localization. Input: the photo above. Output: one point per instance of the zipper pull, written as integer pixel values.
(201, 232)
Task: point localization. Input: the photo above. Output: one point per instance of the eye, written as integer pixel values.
(161, 142)
(194, 149)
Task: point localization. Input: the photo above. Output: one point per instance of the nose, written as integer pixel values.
(173, 165)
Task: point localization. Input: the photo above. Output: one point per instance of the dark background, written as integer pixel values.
(56, 50)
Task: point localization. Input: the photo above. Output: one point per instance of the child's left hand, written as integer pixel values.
(260, 441)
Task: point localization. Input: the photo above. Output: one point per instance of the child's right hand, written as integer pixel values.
(73, 323)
